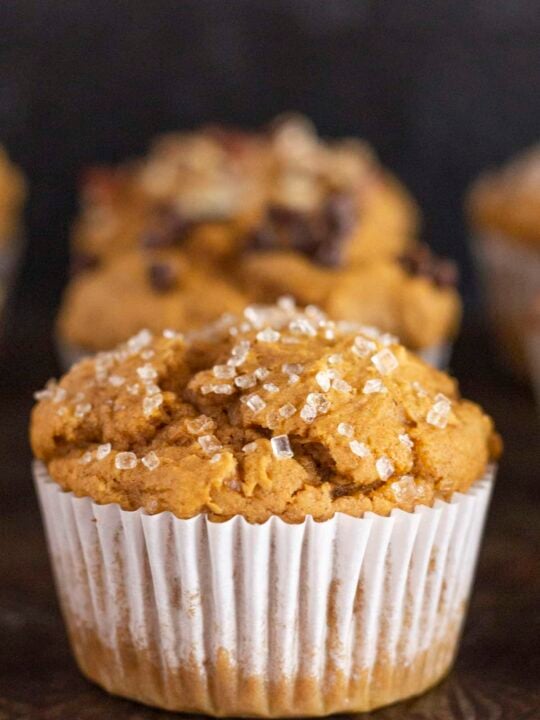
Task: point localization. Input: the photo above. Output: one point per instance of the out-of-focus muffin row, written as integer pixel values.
(504, 212)
(12, 195)
(211, 220)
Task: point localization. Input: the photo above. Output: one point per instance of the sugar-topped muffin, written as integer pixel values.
(279, 412)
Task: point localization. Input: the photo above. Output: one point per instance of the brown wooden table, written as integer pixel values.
(497, 673)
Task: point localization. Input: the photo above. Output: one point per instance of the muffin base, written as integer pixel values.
(222, 690)
(271, 620)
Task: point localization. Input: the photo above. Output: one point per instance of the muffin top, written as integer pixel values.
(12, 193)
(413, 297)
(221, 176)
(279, 412)
(156, 289)
(507, 200)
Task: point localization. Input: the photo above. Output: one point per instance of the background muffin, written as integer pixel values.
(279, 212)
(221, 176)
(504, 211)
(12, 195)
(155, 289)
(276, 416)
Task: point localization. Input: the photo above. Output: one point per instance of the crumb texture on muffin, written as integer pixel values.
(279, 412)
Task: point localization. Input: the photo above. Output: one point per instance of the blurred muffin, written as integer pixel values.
(413, 296)
(214, 198)
(12, 195)
(157, 289)
(504, 212)
(227, 178)
(228, 447)
(187, 181)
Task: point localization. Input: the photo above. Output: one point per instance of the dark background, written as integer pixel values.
(441, 88)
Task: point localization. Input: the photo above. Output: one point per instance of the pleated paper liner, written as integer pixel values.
(271, 620)
(510, 274)
(532, 342)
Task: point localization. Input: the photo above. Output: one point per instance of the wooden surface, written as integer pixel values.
(496, 676)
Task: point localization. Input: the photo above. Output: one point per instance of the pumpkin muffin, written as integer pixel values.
(504, 212)
(413, 297)
(227, 178)
(207, 196)
(156, 289)
(317, 480)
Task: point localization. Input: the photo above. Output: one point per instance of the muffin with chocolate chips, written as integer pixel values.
(277, 516)
(156, 289)
(413, 297)
(223, 179)
(215, 196)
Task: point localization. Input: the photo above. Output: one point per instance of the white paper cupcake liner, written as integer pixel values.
(438, 356)
(533, 357)
(272, 620)
(510, 274)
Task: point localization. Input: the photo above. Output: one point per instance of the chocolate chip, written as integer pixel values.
(283, 215)
(163, 277)
(320, 235)
(82, 262)
(170, 228)
(262, 238)
(420, 261)
(340, 213)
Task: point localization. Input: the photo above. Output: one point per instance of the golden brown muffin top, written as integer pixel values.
(417, 302)
(279, 412)
(224, 176)
(507, 200)
(156, 289)
(413, 298)
(12, 194)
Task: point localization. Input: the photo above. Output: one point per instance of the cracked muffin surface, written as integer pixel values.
(277, 412)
